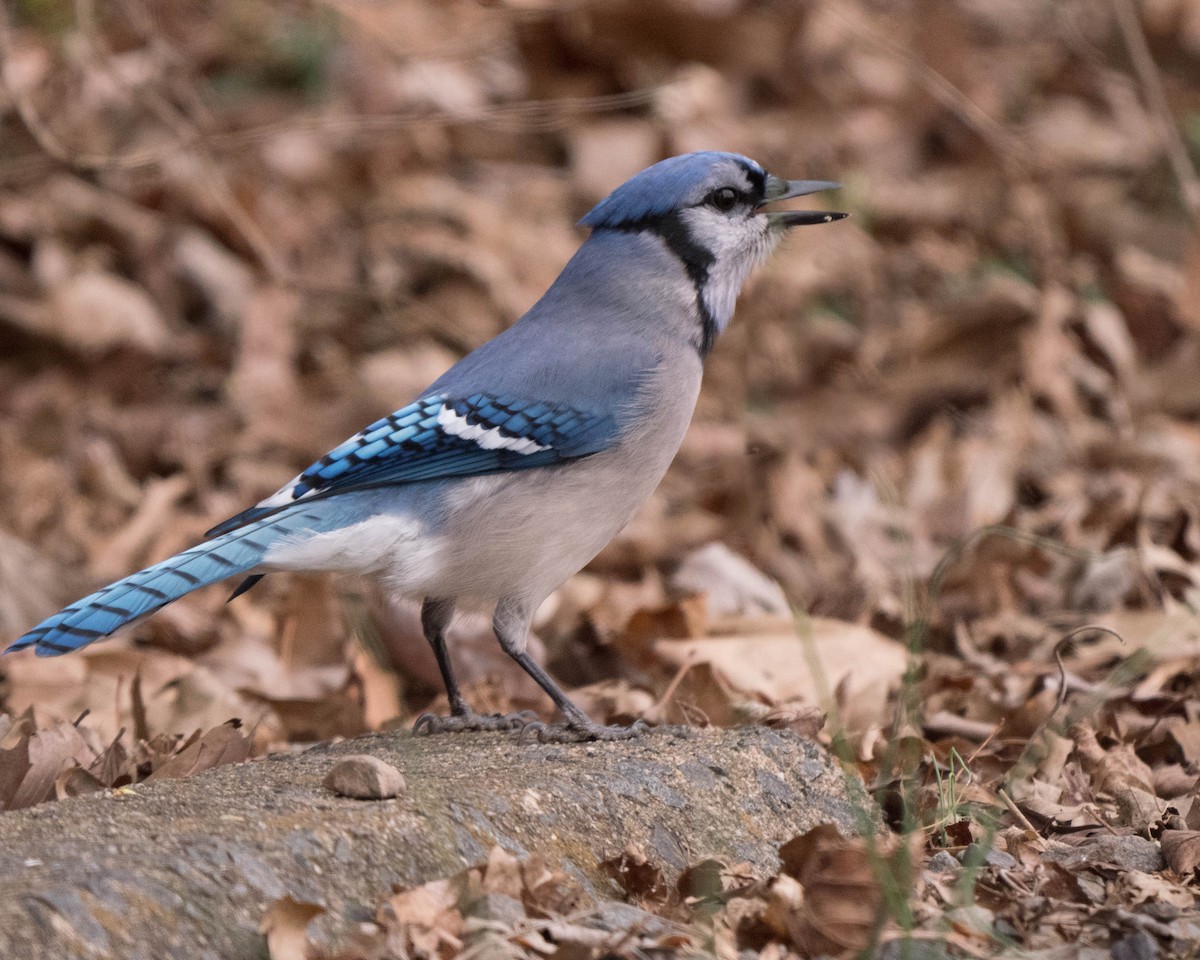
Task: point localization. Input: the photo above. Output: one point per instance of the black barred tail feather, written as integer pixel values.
(107, 610)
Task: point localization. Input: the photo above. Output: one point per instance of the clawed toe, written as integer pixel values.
(578, 731)
(529, 727)
(429, 723)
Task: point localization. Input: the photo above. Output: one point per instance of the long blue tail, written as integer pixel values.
(107, 610)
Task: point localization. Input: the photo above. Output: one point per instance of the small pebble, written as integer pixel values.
(1138, 945)
(364, 778)
(992, 857)
(944, 862)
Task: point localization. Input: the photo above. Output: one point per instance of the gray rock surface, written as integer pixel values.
(1128, 853)
(187, 868)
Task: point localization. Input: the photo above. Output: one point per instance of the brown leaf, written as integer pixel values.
(380, 690)
(141, 729)
(794, 856)
(335, 714)
(50, 751)
(285, 925)
(549, 893)
(76, 782)
(14, 766)
(1134, 888)
(96, 311)
(803, 719)
(778, 667)
(502, 874)
(706, 885)
(221, 745)
(842, 896)
(641, 880)
(784, 901)
(683, 619)
(1119, 766)
(1181, 848)
(427, 917)
(113, 763)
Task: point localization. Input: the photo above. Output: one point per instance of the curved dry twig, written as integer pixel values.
(1059, 649)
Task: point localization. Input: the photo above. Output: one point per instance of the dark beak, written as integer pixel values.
(780, 189)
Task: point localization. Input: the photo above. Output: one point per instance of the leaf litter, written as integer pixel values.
(954, 431)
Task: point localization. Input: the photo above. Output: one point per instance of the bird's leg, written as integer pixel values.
(511, 623)
(435, 617)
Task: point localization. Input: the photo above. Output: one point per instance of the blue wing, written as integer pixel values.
(438, 437)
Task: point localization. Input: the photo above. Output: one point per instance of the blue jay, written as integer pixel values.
(525, 458)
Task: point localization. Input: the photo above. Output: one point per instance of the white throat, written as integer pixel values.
(737, 246)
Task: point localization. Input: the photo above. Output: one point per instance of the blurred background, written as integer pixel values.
(234, 231)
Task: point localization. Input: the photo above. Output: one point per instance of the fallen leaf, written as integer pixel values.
(95, 311)
(729, 583)
(285, 925)
(50, 751)
(549, 892)
(76, 782)
(642, 881)
(502, 874)
(807, 665)
(1181, 848)
(427, 917)
(224, 744)
(842, 895)
(1134, 887)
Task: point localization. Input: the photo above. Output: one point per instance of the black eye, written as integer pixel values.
(724, 199)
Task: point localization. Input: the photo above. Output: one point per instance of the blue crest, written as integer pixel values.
(670, 184)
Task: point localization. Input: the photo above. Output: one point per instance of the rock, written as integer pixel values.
(913, 949)
(498, 908)
(1128, 853)
(188, 867)
(993, 857)
(364, 777)
(1138, 945)
(943, 862)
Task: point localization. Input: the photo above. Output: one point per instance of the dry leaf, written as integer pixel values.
(49, 753)
(842, 896)
(641, 880)
(224, 744)
(502, 874)
(285, 925)
(1135, 887)
(549, 892)
(1181, 848)
(781, 667)
(427, 917)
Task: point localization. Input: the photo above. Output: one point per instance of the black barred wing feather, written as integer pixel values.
(439, 437)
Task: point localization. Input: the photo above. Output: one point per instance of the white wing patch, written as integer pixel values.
(283, 496)
(489, 438)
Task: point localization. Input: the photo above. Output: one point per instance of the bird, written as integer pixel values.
(525, 458)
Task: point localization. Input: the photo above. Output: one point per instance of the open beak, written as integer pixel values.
(780, 189)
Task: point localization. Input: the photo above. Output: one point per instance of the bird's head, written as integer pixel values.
(707, 208)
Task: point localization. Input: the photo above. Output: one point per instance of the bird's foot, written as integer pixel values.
(469, 720)
(579, 731)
